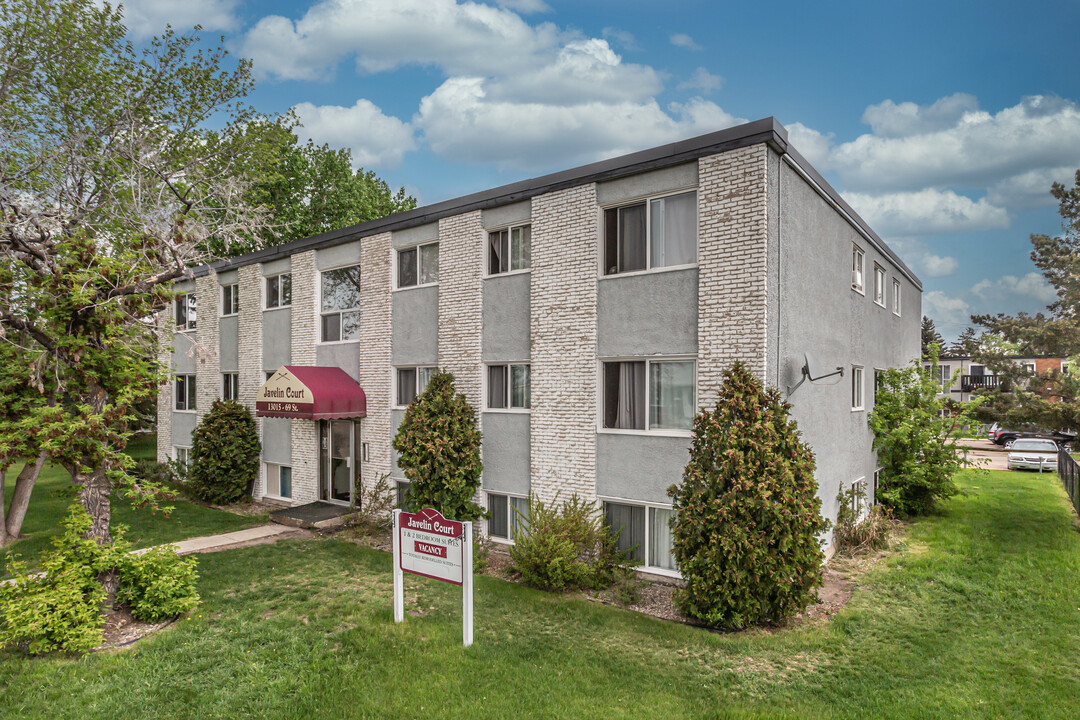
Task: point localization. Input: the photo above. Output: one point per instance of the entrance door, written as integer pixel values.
(337, 460)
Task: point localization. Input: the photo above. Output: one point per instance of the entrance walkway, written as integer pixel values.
(260, 535)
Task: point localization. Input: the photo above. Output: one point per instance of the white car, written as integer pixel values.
(1033, 454)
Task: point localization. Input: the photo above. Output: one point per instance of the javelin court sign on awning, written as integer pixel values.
(427, 544)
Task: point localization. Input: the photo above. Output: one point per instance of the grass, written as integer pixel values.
(976, 616)
(54, 493)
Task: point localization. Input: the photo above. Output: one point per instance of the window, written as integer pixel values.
(230, 299)
(185, 311)
(873, 491)
(418, 265)
(340, 304)
(402, 494)
(508, 387)
(278, 480)
(652, 234)
(856, 388)
(508, 515)
(668, 388)
(1065, 367)
(856, 268)
(879, 285)
(858, 496)
(230, 386)
(411, 381)
(509, 250)
(181, 455)
(1029, 368)
(896, 297)
(644, 532)
(185, 392)
(279, 291)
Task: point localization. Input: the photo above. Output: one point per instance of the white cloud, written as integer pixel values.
(461, 122)
(1033, 285)
(927, 212)
(813, 145)
(684, 41)
(936, 266)
(145, 18)
(525, 6)
(891, 120)
(376, 140)
(945, 310)
(1030, 189)
(702, 80)
(918, 255)
(624, 38)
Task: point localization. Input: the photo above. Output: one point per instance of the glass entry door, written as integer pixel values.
(337, 460)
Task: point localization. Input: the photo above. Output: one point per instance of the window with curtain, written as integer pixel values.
(279, 291)
(671, 395)
(418, 265)
(661, 232)
(185, 392)
(508, 387)
(185, 311)
(649, 394)
(856, 268)
(230, 299)
(628, 523)
(624, 395)
(661, 541)
(411, 381)
(340, 304)
(509, 250)
(879, 285)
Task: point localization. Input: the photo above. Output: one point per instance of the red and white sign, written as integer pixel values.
(431, 545)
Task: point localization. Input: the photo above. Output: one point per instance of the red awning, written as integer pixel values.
(312, 393)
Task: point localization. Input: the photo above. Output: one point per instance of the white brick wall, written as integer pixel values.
(207, 362)
(461, 263)
(303, 316)
(165, 397)
(373, 372)
(249, 357)
(732, 265)
(305, 461)
(565, 241)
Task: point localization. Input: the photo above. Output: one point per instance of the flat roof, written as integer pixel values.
(766, 130)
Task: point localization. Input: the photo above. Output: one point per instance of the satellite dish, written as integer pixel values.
(812, 371)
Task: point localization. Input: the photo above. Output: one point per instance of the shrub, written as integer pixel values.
(157, 584)
(852, 536)
(567, 547)
(439, 444)
(747, 517)
(224, 458)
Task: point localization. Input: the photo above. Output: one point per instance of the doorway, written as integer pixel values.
(339, 463)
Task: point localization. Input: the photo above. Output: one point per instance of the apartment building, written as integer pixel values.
(586, 315)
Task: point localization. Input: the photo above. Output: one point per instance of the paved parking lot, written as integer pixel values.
(985, 454)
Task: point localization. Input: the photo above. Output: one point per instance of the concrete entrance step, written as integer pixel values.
(319, 515)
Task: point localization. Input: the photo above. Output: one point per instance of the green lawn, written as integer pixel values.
(53, 494)
(978, 616)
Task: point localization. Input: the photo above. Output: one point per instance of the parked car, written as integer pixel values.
(991, 431)
(1033, 454)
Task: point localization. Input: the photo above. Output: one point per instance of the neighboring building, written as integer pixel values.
(961, 376)
(585, 314)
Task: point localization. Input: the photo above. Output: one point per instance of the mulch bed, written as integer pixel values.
(121, 630)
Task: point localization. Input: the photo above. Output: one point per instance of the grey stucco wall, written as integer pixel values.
(639, 467)
(277, 440)
(184, 355)
(183, 425)
(276, 338)
(338, 256)
(229, 343)
(649, 314)
(345, 356)
(820, 313)
(506, 318)
(506, 214)
(228, 277)
(275, 267)
(506, 452)
(414, 235)
(415, 335)
(637, 186)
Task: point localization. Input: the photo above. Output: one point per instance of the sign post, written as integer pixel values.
(427, 544)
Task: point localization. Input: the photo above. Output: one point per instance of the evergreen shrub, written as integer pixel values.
(224, 457)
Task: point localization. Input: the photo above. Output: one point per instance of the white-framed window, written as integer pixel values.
(857, 258)
(278, 480)
(879, 285)
(509, 387)
(230, 386)
(185, 393)
(1066, 367)
(185, 311)
(873, 490)
(896, 297)
(649, 395)
(279, 291)
(509, 249)
(1029, 368)
(182, 455)
(410, 382)
(858, 496)
(507, 516)
(655, 233)
(856, 387)
(418, 265)
(230, 300)
(645, 531)
(340, 304)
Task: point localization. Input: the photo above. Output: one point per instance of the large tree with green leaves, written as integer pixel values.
(111, 186)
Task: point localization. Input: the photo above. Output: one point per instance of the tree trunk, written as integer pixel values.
(94, 492)
(4, 540)
(20, 501)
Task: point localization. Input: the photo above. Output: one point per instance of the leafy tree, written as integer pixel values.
(967, 343)
(915, 441)
(224, 454)
(930, 336)
(110, 186)
(439, 444)
(747, 516)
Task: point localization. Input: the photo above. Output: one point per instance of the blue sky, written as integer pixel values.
(943, 123)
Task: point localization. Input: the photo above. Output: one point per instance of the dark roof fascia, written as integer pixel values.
(1007, 357)
(766, 130)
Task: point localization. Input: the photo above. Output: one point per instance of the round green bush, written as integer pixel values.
(747, 515)
(224, 458)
